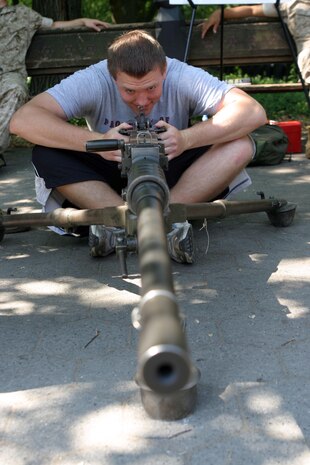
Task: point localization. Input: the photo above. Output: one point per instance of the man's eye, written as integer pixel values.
(129, 91)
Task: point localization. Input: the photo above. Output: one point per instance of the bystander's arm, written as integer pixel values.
(95, 24)
(229, 13)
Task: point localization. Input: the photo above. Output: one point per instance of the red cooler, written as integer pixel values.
(293, 131)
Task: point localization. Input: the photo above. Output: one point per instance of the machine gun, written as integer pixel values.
(143, 163)
(165, 375)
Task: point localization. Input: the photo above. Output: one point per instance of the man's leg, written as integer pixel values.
(210, 174)
(85, 180)
(95, 194)
(203, 181)
(82, 181)
(304, 63)
(90, 194)
(13, 95)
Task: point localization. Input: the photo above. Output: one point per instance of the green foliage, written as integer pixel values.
(78, 122)
(282, 105)
(25, 2)
(144, 10)
(110, 11)
(202, 12)
(133, 11)
(99, 9)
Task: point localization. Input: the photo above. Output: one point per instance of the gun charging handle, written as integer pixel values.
(104, 145)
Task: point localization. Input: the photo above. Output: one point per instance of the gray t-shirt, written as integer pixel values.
(93, 94)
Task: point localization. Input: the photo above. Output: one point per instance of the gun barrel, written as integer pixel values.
(164, 365)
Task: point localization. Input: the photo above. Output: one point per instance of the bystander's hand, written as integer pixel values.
(95, 24)
(212, 22)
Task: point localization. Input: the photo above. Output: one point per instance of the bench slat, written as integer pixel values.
(264, 88)
(59, 51)
(248, 41)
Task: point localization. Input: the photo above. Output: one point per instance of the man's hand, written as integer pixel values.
(212, 22)
(114, 133)
(95, 24)
(173, 139)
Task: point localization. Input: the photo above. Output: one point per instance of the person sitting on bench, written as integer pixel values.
(18, 24)
(296, 14)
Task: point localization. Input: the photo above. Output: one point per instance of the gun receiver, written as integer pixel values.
(165, 375)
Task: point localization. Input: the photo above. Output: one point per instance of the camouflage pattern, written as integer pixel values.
(13, 94)
(18, 24)
(296, 13)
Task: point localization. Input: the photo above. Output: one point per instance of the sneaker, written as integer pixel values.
(2, 160)
(101, 240)
(180, 242)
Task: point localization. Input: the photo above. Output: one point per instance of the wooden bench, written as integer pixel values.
(246, 42)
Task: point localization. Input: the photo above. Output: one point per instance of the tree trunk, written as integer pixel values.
(58, 10)
(132, 11)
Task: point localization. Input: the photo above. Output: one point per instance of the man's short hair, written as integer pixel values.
(135, 53)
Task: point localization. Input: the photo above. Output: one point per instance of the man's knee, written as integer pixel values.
(244, 150)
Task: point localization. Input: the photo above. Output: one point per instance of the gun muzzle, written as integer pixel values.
(164, 365)
(166, 376)
(165, 368)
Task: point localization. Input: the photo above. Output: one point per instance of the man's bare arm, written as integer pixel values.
(238, 115)
(42, 121)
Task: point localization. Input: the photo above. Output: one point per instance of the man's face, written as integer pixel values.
(141, 92)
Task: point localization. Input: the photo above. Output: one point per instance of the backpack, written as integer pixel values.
(271, 145)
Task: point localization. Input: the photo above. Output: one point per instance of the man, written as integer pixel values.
(18, 24)
(203, 159)
(296, 13)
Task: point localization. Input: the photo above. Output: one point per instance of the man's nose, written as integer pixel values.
(141, 100)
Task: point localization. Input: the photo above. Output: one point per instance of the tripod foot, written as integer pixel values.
(282, 216)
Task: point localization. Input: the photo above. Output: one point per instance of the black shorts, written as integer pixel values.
(59, 167)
